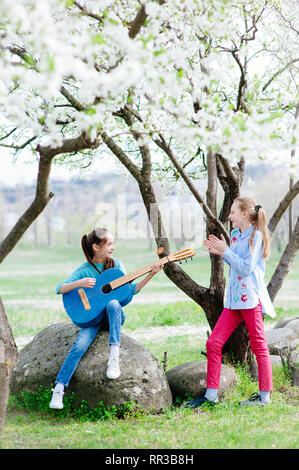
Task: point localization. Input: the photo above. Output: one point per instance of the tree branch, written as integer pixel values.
(87, 12)
(9, 134)
(120, 154)
(228, 169)
(279, 72)
(282, 206)
(128, 114)
(212, 183)
(286, 20)
(137, 23)
(284, 264)
(19, 147)
(42, 197)
(139, 20)
(71, 99)
(231, 180)
(164, 146)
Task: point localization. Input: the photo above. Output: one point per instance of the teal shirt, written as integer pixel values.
(87, 270)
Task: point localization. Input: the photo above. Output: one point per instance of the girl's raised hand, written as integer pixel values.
(216, 246)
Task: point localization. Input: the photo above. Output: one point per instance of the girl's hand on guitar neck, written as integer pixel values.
(156, 267)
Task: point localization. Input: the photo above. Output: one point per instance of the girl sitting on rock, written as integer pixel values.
(98, 247)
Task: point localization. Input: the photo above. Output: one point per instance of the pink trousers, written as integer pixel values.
(226, 324)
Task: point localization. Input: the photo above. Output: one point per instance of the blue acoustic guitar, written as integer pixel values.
(85, 306)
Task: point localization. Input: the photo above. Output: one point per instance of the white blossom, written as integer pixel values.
(183, 55)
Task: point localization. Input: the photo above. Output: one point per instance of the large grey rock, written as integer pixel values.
(191, 378)
(282, 323)
(294, 325)
(279, 339)
(142, 377)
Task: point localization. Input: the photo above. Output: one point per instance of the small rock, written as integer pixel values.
(191, 378)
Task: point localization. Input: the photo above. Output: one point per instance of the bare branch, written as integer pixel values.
(20, 147)
(120, 154)
(87, 12)
(282, 206)
(228, 169)
(285, 19)
(69, 146)
(9, 134)
(164, 146)
(231, 179)
(241, 104)
(127, 114)
(212, 182)
(280, 71)
(71, 99)
(139, 20)
(284, 264)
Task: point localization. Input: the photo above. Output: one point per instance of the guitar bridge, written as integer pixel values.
(84, 299)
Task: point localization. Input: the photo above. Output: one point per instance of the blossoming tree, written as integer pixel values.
(171, 88)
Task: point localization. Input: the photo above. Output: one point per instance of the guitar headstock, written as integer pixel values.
(182, 254)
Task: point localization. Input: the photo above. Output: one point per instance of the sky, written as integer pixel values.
(23, 169)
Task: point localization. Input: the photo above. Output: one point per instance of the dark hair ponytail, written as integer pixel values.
(99, 237)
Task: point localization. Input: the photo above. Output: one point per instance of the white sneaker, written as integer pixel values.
(113, 371)
(56, 401)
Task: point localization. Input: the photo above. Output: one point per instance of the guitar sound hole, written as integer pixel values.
(106, 289)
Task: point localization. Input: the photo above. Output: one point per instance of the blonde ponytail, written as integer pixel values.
(258, 218)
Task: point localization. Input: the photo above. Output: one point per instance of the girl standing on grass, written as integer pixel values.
(98, 247)
(247, 298)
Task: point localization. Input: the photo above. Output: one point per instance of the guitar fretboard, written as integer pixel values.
(135, 274)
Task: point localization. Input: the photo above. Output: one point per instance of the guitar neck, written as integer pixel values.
(135, 274)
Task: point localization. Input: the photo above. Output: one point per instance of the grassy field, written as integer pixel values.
(175, 324)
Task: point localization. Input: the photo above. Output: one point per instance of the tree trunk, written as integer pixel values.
(8, 359)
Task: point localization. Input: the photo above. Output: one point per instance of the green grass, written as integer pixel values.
(226, 426)
(28, 279)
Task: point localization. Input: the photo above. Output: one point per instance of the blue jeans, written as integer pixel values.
(113, 317)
